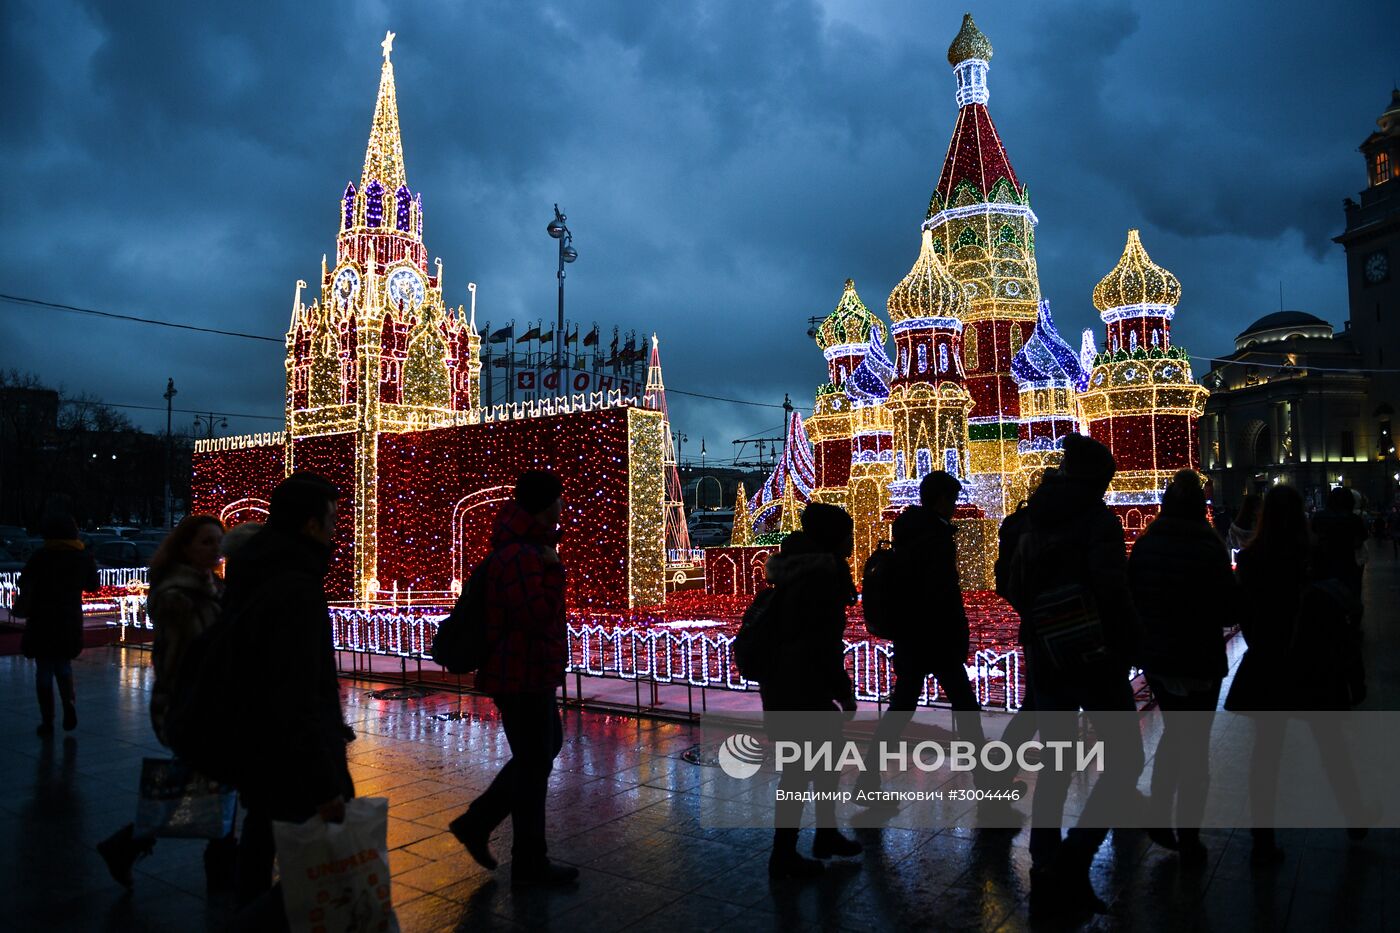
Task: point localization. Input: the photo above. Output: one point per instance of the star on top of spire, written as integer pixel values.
(384, 154)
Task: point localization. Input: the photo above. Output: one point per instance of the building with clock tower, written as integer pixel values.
(1297, 403)
(1372, 243)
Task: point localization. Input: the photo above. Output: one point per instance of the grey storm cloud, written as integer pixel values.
(725, 167)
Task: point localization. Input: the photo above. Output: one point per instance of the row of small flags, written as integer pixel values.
(627, 354)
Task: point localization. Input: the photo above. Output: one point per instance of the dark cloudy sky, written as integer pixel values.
(725, 167)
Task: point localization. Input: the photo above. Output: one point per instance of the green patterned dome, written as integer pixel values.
(850, 323)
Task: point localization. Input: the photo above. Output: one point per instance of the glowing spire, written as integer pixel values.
(384, 155)
(742, 535)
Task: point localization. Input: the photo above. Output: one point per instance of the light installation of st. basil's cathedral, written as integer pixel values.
(980, 383)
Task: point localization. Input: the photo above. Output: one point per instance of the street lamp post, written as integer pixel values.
(560, 231)
(169, 397)
(210, 423)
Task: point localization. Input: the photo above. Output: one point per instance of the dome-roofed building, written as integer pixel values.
(1283, 325)
(1299, 403)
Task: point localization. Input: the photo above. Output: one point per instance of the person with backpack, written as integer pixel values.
(183, 602)
(292, 735)
(522, 669)
(1301, 654)
(1068, 581)
(1183, 652)
(50, 600)
(932, 635)
(812, 588)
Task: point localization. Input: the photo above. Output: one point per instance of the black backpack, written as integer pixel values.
(880, 594)
(460, 645)
(202, 724)
(758, 642)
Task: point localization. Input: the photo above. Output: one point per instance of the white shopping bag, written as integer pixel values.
(335, 876)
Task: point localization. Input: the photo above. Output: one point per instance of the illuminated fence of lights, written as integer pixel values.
(116, 582)
(691, 652)
(688, 647)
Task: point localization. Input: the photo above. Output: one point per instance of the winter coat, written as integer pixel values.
(295, 736)
(51, 590)
(525, 618)
(1185, 593)
(1288, 665)
(1074, 538)
(813, 590)
(926, 555)
(1238, 536)
(182, 604)
(1336, 538)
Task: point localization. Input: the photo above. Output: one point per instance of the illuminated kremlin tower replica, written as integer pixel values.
(383, 399)
(1141, 400)
(983, 228)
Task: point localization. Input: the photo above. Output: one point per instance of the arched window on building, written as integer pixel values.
(923, 358)
(942, 357)
(970, 347)
(1381, 168)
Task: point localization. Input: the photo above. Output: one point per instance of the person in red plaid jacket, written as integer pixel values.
(524, 666)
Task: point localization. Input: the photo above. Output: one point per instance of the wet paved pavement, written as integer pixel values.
(629, 810)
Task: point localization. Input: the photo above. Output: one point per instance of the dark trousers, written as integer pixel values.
(910, 672)
(1181, 768)
(805, 728)
(536, 734)
(46, 671)
(1264, 765)
(256, 851)
(1059, 695)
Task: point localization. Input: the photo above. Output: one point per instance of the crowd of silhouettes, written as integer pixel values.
(1292, 586)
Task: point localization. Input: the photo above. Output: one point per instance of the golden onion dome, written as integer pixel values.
(969, 43)
(849, 323)
(1136, 280)
(929, 290)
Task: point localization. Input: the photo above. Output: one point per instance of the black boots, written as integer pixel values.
(785, 863)
(829, 843)
(542, 874)
(121, 850)
(475, 838)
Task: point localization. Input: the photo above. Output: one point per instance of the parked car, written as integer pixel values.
(116, 552)
(709, 535)
(145, 550)
(9, 561)
(11, 535)
(116, 531)
(24, 548)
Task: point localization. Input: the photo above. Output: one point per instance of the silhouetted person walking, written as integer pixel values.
(51, 601)
(813, 589)
(293, 747)
(1183, 652)
(1339, 535)
(1071, 563)
(933, 636)
(524, 667)
(1293, 629)
(182, 603)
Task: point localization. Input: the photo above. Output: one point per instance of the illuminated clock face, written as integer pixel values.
(1377, 267)
(406, 288)
(347, 283)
